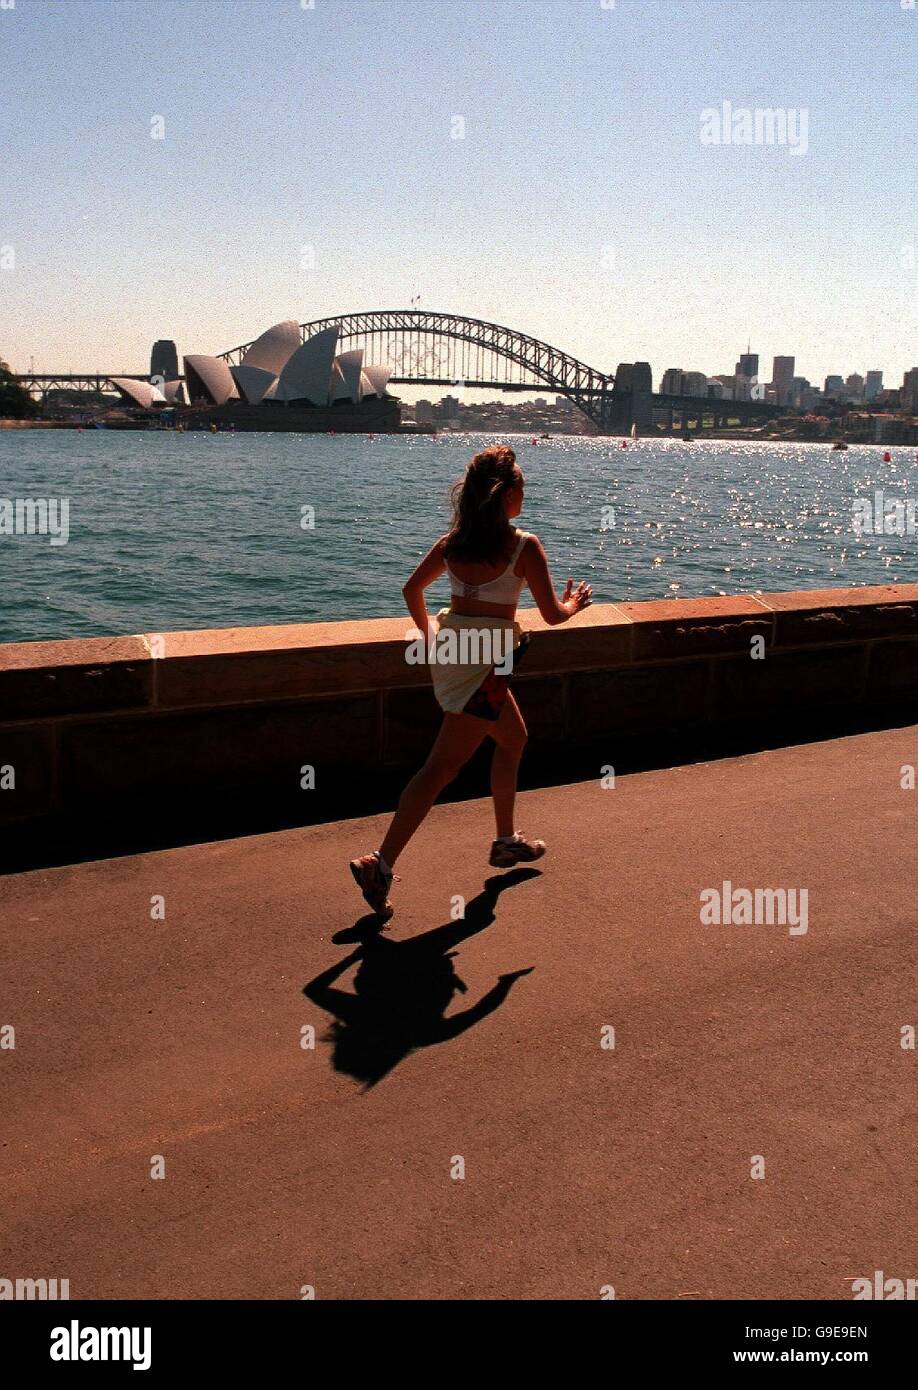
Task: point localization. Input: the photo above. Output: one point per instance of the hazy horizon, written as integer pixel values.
(199, 169)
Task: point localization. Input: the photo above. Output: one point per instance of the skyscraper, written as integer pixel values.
(747, 369)
(164, 359)
(803, 395)
(909, 393)
(695, 384)
(873, 385)
(782, 379)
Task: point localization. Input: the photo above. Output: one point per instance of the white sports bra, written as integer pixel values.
(506, 588)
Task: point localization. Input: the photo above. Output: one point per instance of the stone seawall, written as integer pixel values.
(116, 744)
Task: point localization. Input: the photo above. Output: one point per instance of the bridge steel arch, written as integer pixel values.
(424, 347)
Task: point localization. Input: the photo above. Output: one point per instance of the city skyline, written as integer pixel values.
(783, 384)
(576, 202)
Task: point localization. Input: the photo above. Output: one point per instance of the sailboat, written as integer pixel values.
(634, 433)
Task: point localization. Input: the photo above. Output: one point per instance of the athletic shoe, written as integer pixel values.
(505, 853)
(374, 884)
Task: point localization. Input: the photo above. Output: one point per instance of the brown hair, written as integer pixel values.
(480, 528)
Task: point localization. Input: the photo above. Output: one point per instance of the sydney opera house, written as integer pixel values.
(281, 383)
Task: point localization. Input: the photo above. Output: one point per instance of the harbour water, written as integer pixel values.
(176, 531)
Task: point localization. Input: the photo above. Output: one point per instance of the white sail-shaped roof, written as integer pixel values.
(253, 382)
(345, 376)
(140, 392)
(174, 391)
(307, 373)
(213, 375)
(374, 380)
(271, 351)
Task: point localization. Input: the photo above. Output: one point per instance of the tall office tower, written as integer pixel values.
(834, 386)
(671, 385)
(747, 370)
(873, 385)
(803, 395)
(854, 387)
(782, 379)
(164, 359)
(695, 384)
(909, 393)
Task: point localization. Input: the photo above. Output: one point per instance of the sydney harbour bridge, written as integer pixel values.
(427, 348)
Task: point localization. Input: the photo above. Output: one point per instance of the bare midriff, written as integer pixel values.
(473, 608)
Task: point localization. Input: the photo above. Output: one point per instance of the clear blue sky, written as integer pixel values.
(581, 206)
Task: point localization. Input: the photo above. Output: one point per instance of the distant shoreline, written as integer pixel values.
(726, 436)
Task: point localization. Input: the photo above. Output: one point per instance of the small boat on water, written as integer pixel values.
(839, 444)
(634, 433)
(688, 439)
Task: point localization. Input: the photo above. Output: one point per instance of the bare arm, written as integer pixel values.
(536, 574)
(430, 569)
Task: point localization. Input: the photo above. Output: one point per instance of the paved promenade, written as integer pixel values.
(584, 1166)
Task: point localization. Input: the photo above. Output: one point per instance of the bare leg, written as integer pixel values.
(509, 734)
(459, 736)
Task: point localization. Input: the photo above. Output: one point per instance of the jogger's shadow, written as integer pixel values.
(402, 989)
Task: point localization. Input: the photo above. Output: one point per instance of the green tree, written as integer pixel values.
(15, 402)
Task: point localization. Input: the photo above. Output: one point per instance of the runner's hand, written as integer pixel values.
(575, 599)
